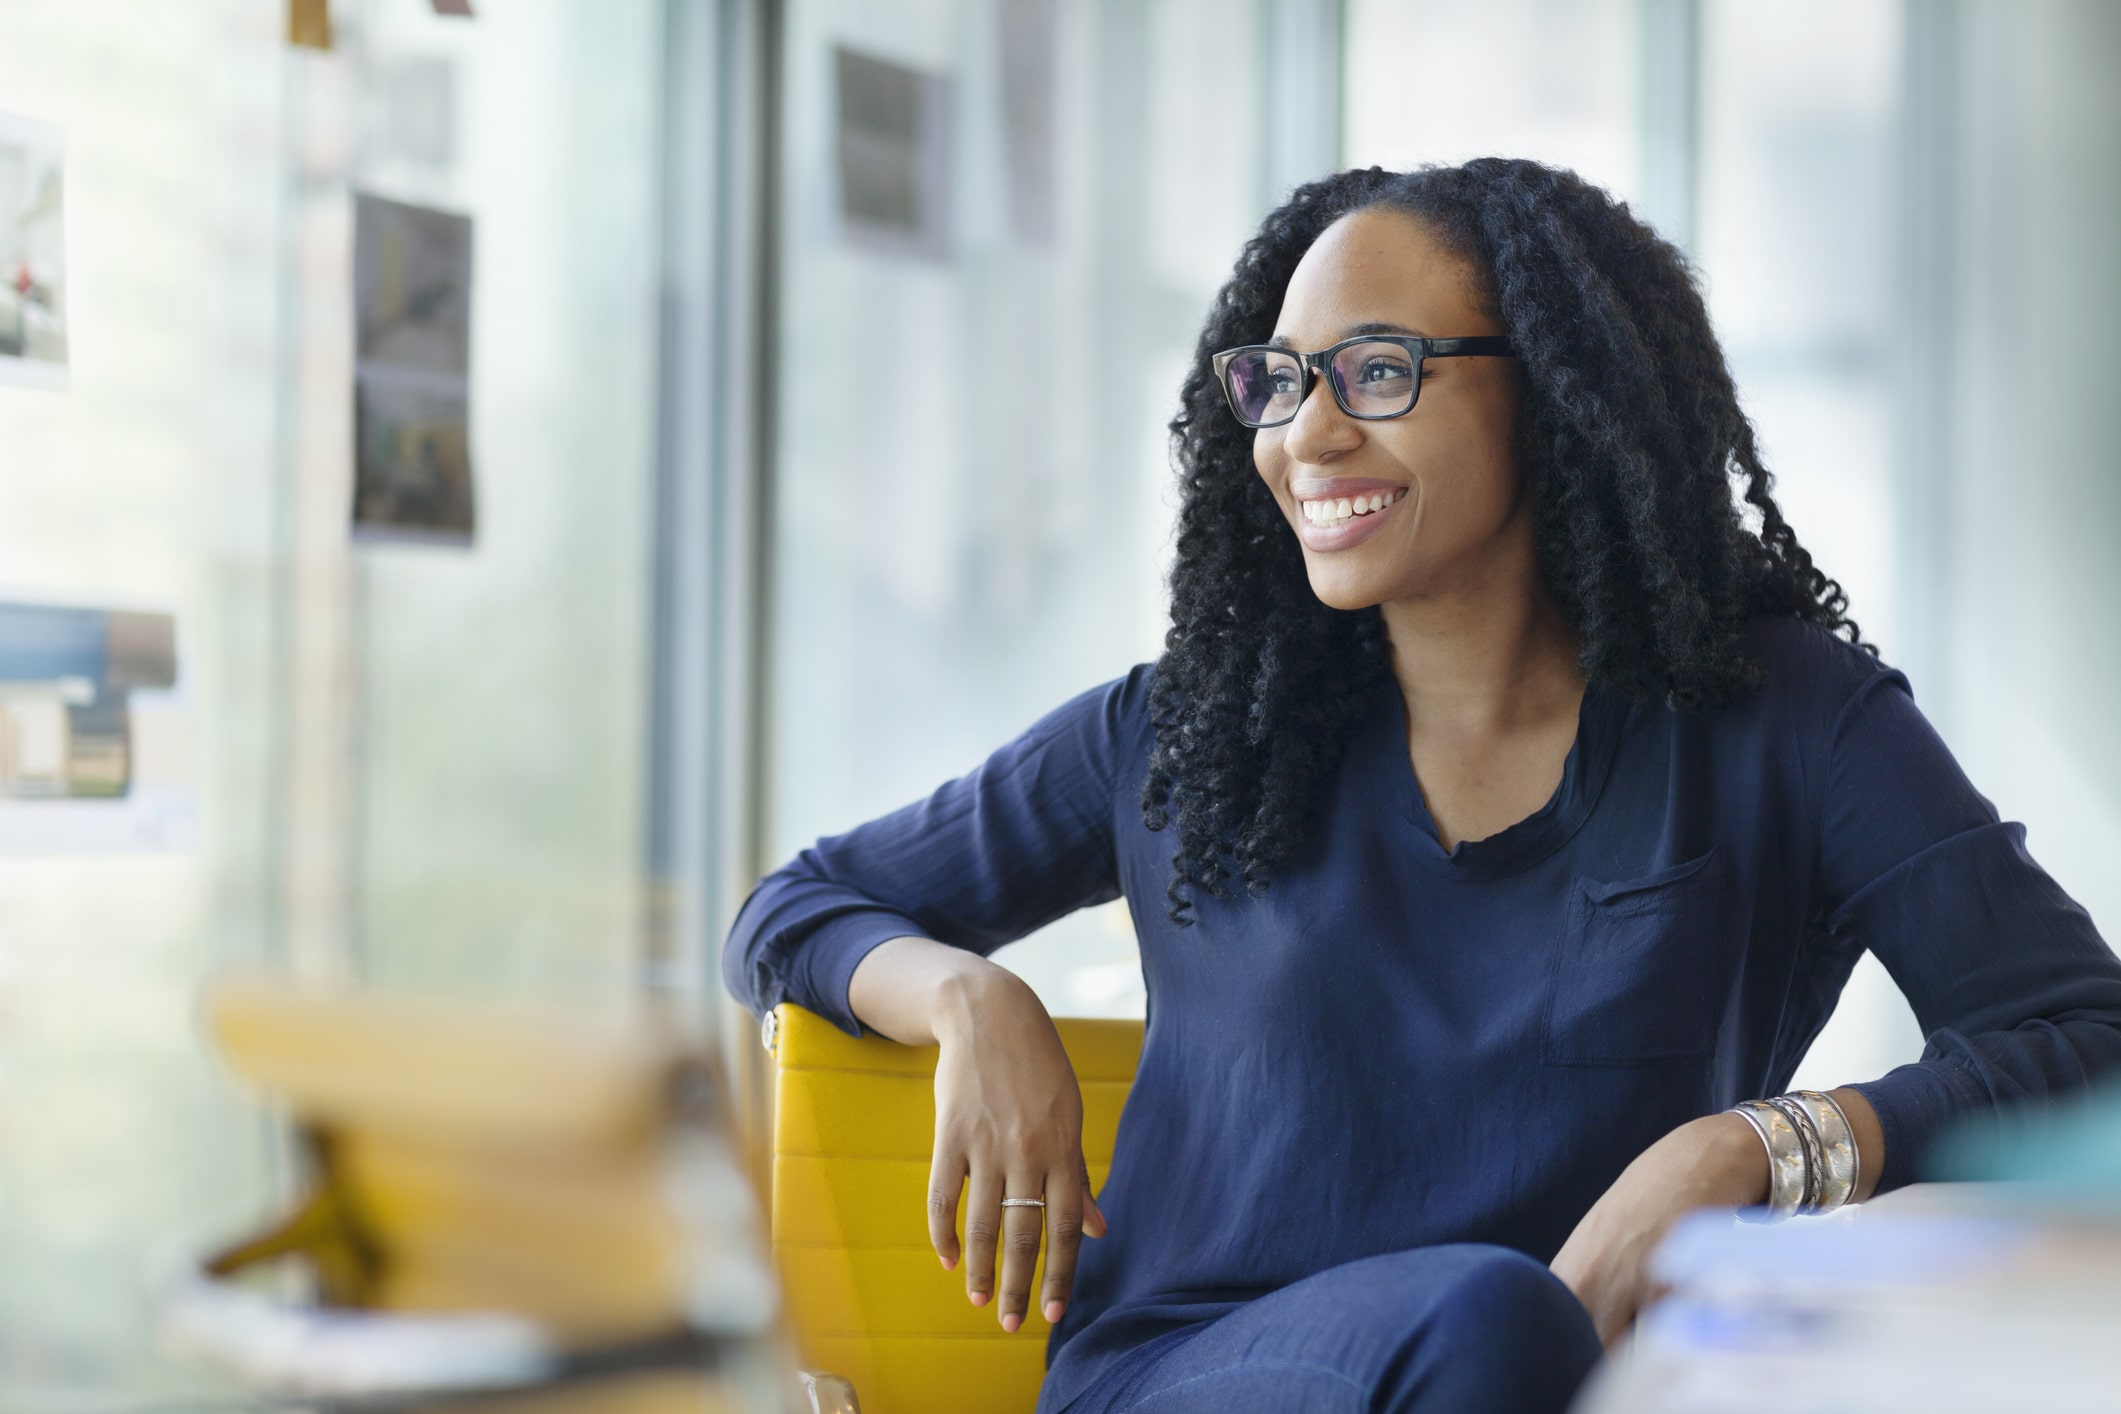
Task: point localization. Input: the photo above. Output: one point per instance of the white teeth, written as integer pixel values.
(1328, 514)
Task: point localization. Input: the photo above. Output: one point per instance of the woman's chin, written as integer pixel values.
(1347, 592)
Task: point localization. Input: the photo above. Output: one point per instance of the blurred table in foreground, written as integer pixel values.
(1939, 1298)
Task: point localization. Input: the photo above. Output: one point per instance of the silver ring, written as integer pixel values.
(1023, 1202)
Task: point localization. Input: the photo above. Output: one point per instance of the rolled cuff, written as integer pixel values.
(1914, 1103)
(827, 959)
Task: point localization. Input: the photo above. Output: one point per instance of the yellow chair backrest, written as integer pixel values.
(853, 1121)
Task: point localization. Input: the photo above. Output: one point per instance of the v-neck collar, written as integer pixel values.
(1600, 720)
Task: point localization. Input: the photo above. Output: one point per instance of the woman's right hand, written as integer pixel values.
(1008, 1124)
(1008, 1118)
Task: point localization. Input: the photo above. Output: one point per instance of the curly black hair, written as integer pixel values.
(1630, 438)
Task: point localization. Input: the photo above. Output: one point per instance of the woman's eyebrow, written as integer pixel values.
(1356, 331)
(1353, 331)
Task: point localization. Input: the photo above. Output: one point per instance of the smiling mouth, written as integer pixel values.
(1326, 514)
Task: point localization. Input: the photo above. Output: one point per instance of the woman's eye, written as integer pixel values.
(1283, 382)
(1380, 370)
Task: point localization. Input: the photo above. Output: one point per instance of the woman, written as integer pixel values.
(1563, 795)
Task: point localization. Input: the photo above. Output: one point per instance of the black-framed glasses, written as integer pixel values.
(1373, 376)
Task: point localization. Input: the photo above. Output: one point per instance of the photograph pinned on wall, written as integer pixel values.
(309, 24)
(33, 327)
(893, 146)
(412, 373)
(95, 742)
(1030, 41)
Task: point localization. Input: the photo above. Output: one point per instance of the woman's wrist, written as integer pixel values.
(1730, 1168)
(921, 993)
(967, 998)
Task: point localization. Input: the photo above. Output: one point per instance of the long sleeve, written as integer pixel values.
(2017, 993)
(989, 857)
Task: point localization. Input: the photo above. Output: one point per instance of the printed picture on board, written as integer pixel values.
(412, 373)
(33, 330)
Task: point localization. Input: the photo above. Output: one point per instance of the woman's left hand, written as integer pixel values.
(1713, 1162)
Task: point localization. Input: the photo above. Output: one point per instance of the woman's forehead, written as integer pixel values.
(1378, 267)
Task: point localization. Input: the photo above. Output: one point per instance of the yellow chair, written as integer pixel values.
(496, 1200)
(853, 1121)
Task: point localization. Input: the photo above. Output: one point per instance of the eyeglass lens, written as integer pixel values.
(1371, 380)
(1265, 386)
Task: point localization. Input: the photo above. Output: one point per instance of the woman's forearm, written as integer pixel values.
(918, 991)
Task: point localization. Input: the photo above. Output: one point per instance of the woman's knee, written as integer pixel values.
(1500, 1288)
(1502, 1333)
(1434, 1329)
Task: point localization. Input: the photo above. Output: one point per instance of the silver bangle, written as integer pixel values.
(1840, 1163)
(1788, 1174)
(1808, 1136)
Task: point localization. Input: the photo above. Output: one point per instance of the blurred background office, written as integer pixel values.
(821, 356)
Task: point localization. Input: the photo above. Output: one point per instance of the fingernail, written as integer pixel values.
(979, 1298)
(1011, 1322)
(1053, 1313)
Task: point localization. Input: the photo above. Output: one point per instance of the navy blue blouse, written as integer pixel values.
(1400, 1044)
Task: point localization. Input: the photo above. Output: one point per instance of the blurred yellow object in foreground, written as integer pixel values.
(853, 1126)
(519, 1202)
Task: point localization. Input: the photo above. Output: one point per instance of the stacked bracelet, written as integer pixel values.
(1808, 1136)
(1788, 1173)
(1812, 1158)
(1840, 1163)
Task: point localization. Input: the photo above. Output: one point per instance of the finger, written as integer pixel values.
(1064, 1234)
(1021, 1230)
(1093, 1216)
(1614, 1323)
(946, 1181)
(983, 1228)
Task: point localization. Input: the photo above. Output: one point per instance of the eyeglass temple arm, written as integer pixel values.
(1471, 344)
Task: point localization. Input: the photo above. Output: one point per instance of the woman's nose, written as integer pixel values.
(1321, 430)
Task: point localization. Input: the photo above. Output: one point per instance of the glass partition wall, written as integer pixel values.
(150, 483)
(416, 763)
(1797, 220)
(498, 705)
(1001, 227)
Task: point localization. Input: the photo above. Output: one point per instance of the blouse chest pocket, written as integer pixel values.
(1643, 967)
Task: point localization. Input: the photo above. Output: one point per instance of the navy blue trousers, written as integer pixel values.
(1435, 1330)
